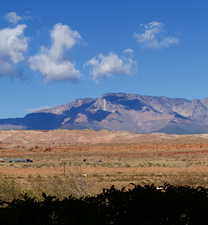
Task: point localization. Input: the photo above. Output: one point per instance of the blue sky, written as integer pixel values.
(52, 52)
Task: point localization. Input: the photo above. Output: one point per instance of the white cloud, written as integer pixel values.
(51, 62)
(154, 36)
(53, 69)
(103, 66)
(128, 51)
(13, 45)
(12, 17)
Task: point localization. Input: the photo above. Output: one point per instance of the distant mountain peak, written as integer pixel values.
(120, 111)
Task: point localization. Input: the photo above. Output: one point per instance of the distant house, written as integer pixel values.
(16, 160)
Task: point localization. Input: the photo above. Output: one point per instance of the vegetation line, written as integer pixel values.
(133, 204)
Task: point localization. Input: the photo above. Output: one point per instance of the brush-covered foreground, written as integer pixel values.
(139, 205)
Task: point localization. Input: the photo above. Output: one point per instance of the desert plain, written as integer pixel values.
(83, 162)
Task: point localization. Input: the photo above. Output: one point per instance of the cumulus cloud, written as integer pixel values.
(13, 45)
(128, 51)
(12, 17)
(51, 62)
(103, 66)
(154, 36)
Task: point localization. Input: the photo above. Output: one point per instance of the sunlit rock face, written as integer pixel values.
(120, 111)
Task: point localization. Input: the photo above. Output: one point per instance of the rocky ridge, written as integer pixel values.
(120, 111)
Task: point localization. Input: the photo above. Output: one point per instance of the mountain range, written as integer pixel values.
(120, 111)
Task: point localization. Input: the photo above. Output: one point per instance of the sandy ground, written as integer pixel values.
(103, 158)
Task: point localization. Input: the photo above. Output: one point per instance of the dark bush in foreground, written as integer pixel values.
(145, 205)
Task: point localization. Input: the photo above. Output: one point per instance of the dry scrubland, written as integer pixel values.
(84, 162)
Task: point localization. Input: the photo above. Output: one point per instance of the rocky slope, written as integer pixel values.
(120, 111)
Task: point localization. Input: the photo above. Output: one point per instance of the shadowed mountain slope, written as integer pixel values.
(120, 111)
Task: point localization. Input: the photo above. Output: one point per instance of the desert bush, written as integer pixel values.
(59, 186)
(138, 205)
(9, 188)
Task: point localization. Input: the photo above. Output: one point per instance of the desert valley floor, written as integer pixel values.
(86, 161)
